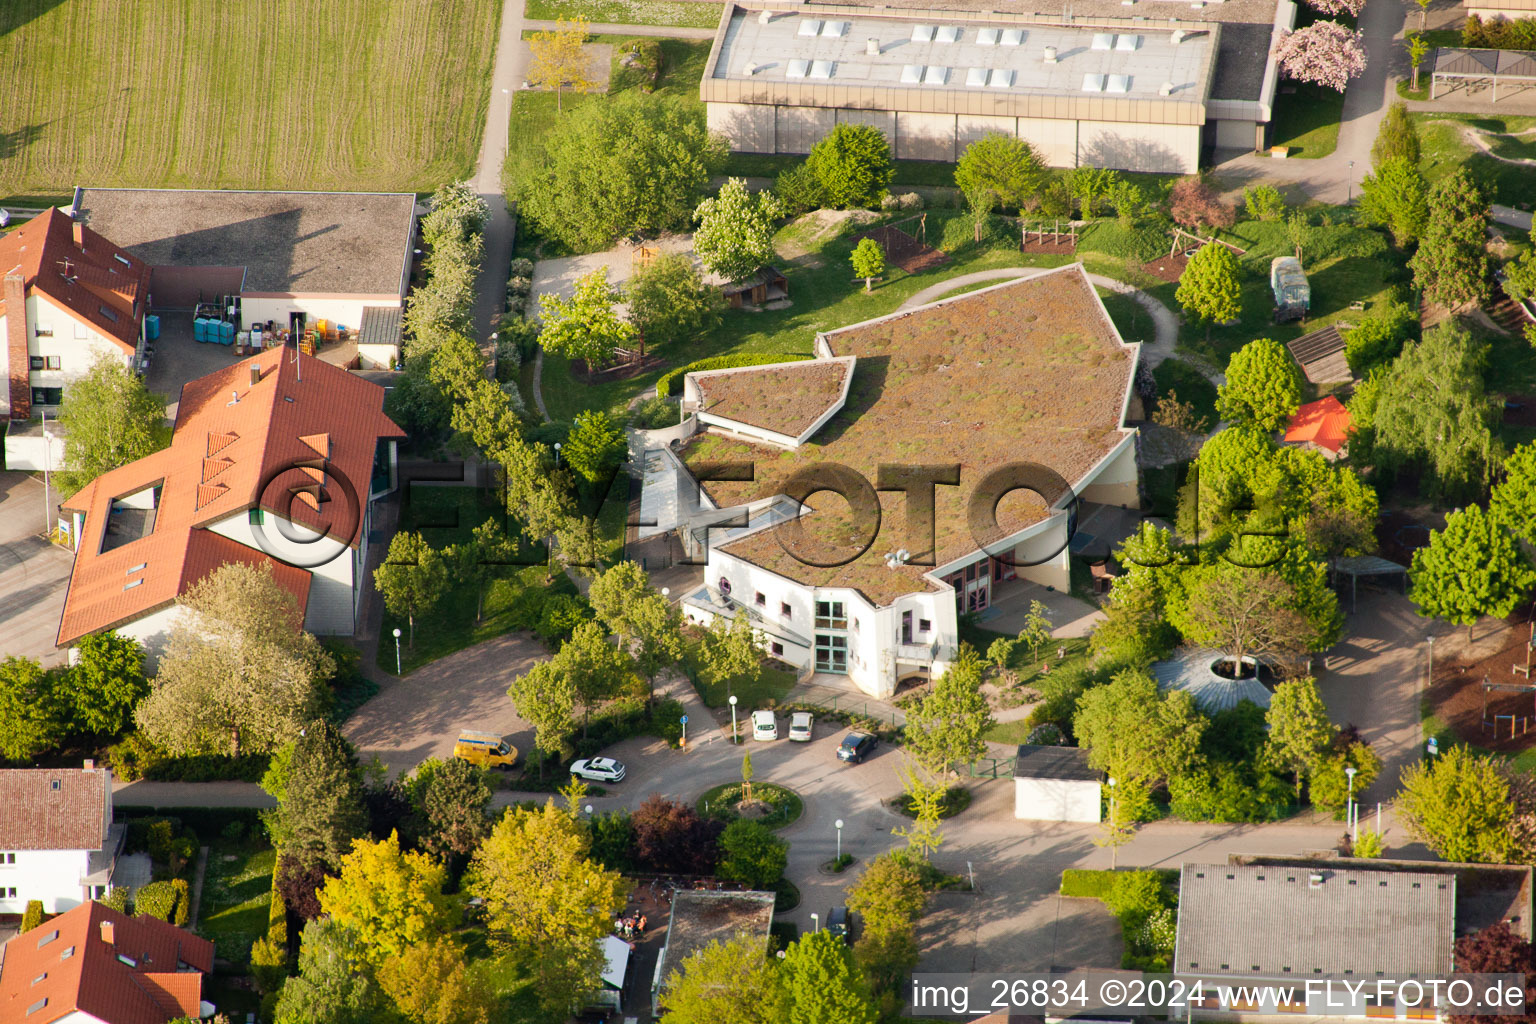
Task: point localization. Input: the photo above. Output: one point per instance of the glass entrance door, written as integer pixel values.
(831, 653)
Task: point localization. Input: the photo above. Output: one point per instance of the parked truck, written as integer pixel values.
(1293, 295)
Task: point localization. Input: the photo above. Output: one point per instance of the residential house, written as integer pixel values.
(57, 840)
(274, 460)
(1001, 411)
(1261, 926)
(342, 257)
(94, 965)
(70, 297)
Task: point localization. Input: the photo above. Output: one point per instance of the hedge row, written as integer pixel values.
(671, 382)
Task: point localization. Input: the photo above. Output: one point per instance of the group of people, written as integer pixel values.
(631, 927)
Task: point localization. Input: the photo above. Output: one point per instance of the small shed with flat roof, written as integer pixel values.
(702, 916)
(1055, 784)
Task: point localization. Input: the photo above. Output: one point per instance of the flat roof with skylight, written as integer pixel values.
(962, 62)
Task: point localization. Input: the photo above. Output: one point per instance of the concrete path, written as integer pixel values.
(1165, 324)
(491, 288)
(1514, 218)
(198, 874)
(34, 573)
(604, 28)
(190, 794)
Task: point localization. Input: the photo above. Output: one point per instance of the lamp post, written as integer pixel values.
(1349, 187)
(815, 922)
(397, 650)
(1431, 680)
(1349, 813)
(839, 826)
(47, 480)
(557, 454)
(733, 719)
(666, 594)
(588, 809)
(1114, 850)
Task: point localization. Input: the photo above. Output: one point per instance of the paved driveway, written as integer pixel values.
(34, 574)
(419, 716)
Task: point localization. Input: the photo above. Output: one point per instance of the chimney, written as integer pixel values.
(107, 934)
(1315, 881)
(872, 47)
(1166, 89)
(16, 346)
(90, 765)
(74, 204)
(79, 236)
(1050, 55)
(764, 17)
(234, 398)
(1178, 36)
(255, 374)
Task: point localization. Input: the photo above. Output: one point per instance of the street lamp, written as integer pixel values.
(815, 922)
(665, 591)
(47, 481)
(839, 825)
(1431, 681)
(397, 650)
(588, 809)
(1114, 850)
(557, 454)
(733, 720)
(1349, 187)
(1349, 813)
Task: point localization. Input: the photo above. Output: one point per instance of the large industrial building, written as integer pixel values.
(1143, 85)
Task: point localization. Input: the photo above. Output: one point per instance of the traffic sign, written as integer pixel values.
(684, 719)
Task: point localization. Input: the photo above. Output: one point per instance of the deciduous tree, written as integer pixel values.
(927, 800)
(648, 625)
(110, 419)
(1243, 612)
(1460, 806)
(1300, 733)
(431, 983)
(1451, 264)
(1005, 165)
(853, 165)
(30, 721)
(320, 811)
(1195, 205)
(736, 227)
(944, 728)
(1262, 386)
(413, 578)
(729, 652)
(557, 60)
(1138, 736)
(888, 897)
(1324, 52)
(1496, 949)
(104, 685)
(751, 854)
(391, 900)
(669, 302)
(1378, 338)
(731, 980)
(238, 673)
(585, 326)
(1209, 289)
(1397, 138)
(449, 800)
(822, 983)
(546, 901)
(546, 697)
(1396, 197)
(671, 837)
(868, 261)
(1513, 502)
(334, 985)
(1472, 568)
(595, 446)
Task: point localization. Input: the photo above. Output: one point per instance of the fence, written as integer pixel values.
(1519, 725)
(993, 768)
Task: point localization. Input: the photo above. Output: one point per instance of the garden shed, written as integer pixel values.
(1055, 784)
(1321, 356)
(763, 286)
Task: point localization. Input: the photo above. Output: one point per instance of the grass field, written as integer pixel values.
(1445, 148)
(353, 94)
(237, 893)
(1307, 120)
(627, 12)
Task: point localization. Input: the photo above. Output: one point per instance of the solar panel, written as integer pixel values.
(1103, 41)
(1128, 42)
(1093, 83)
(1013, 36)
(810, 27)
(1118, 83)
(987, 37)
(834, 29)
(798, 68)
(935, 75)
(922, 33)
(975, 78)
(1001, 78)
(949, 34)
(821, 69)
(911, 74)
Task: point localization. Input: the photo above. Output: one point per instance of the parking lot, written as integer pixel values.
(33, 573)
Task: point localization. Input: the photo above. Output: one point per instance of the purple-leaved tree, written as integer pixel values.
(1324, 52)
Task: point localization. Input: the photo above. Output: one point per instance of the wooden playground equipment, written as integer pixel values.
(1519, 725)
(908, 250)
(1179, 234)
(1056, 233)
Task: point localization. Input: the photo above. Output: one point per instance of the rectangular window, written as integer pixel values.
(43, 331)
(1294, 1003)
(7, 858)
(37, 362)
(53, 363)
(47, 396)
(785, 610)
(258, 517)
(40, 978)
(923, 625)
(777, 649)
(831, 653)
(39, 1005)
(9, 893)
(69, 952)
(762, 599)
(47, 938)
(121, 259)
(831, 615)
(1382, 1009)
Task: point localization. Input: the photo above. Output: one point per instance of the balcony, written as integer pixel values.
(921, 654)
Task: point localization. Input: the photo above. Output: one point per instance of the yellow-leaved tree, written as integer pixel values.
(431, 983)
(391, 900)
(546, 902)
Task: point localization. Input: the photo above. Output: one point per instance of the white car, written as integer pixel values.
(598, 769)
(800, 727)
(764, 725)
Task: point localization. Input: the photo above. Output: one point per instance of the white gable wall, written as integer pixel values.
(52, 876)
(333, 599)
(1056, 800)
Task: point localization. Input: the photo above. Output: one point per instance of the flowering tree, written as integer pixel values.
(1324, 52)
(1349, 7)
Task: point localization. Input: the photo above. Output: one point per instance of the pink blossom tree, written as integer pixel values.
(1324, 52)
(1349, 7)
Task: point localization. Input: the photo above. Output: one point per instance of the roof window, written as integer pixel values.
(922, 33)
(55, 933)
(138, 568)
(834, 29)
(821, 69)
(124, 958)
(40, 1004)
(1013, 37)
(975, 78)
(1118, 83)
(68, 952)
(935, 75)
(798, 68)
(987, 36)
(911, 74)
(1103, 41)
(1000, 78)
(132, 583)
(948, 34)
(1093, 83)
(121, 259)
(110, 314)
(1128, 42)
(810, 27)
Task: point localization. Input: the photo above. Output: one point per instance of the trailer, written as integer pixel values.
(1293, 295)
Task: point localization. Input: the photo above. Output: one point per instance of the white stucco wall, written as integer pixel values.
(27, 454)
(153, 630)
(52, 876)
(1056, 800)
(345, 310)
(332, 608)
(74, 343)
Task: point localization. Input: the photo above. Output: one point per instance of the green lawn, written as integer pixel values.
(445, 516)
(350, 94)
(1190, 385)
(626, 12)
(237, 895)
(1307, 120)
(773, 684)
(1445, 148)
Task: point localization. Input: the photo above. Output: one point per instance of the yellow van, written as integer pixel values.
(485, 749)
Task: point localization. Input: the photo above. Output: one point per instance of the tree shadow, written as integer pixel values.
(16, 13)
(13, 142)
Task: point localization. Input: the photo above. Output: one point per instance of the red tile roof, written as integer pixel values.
(1325, 423)
(225, 458)
(149, 973)
(81, 278)
(75, 816)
